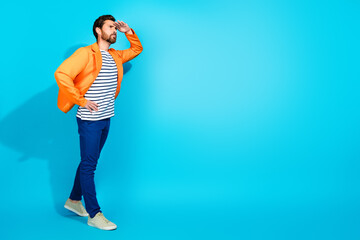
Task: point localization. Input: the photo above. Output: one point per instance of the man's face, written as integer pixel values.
(108, 31)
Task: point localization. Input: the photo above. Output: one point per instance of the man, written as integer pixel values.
(91, 78)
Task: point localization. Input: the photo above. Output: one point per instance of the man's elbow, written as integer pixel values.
(140, 49)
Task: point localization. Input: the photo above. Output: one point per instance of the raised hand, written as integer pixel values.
(121, 26)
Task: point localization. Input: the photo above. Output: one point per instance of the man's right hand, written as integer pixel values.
(91, 106)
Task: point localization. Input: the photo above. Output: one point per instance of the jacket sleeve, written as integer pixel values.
(134, 50)
(67, 72)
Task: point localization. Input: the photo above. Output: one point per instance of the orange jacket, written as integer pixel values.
(76, 74)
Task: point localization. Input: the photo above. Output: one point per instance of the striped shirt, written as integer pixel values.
(102, 91)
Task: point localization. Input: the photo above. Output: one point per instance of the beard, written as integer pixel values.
(109, 38)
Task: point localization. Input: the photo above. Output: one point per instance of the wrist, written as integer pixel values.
(129, 31)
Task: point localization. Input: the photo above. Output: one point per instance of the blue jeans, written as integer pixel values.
(93, 135)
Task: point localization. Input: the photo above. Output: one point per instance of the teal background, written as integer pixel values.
(239, 120)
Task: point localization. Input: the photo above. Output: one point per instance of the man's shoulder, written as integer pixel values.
(83, 52)
(84, 49)
(114, 51)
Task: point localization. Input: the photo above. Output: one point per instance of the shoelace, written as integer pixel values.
(79, 204)
(103, 217)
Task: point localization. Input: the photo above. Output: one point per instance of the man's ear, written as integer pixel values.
(98, 30)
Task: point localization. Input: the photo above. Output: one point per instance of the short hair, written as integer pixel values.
(100, 23)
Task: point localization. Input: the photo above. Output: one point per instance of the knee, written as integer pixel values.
(87, 167)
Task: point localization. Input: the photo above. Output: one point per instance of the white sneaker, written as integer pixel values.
(99, 221)
(77, 208)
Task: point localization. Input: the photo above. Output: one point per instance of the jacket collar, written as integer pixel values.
(95, 47)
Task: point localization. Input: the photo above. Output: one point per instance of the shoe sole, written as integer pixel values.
(73, 210)
(104, 228)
